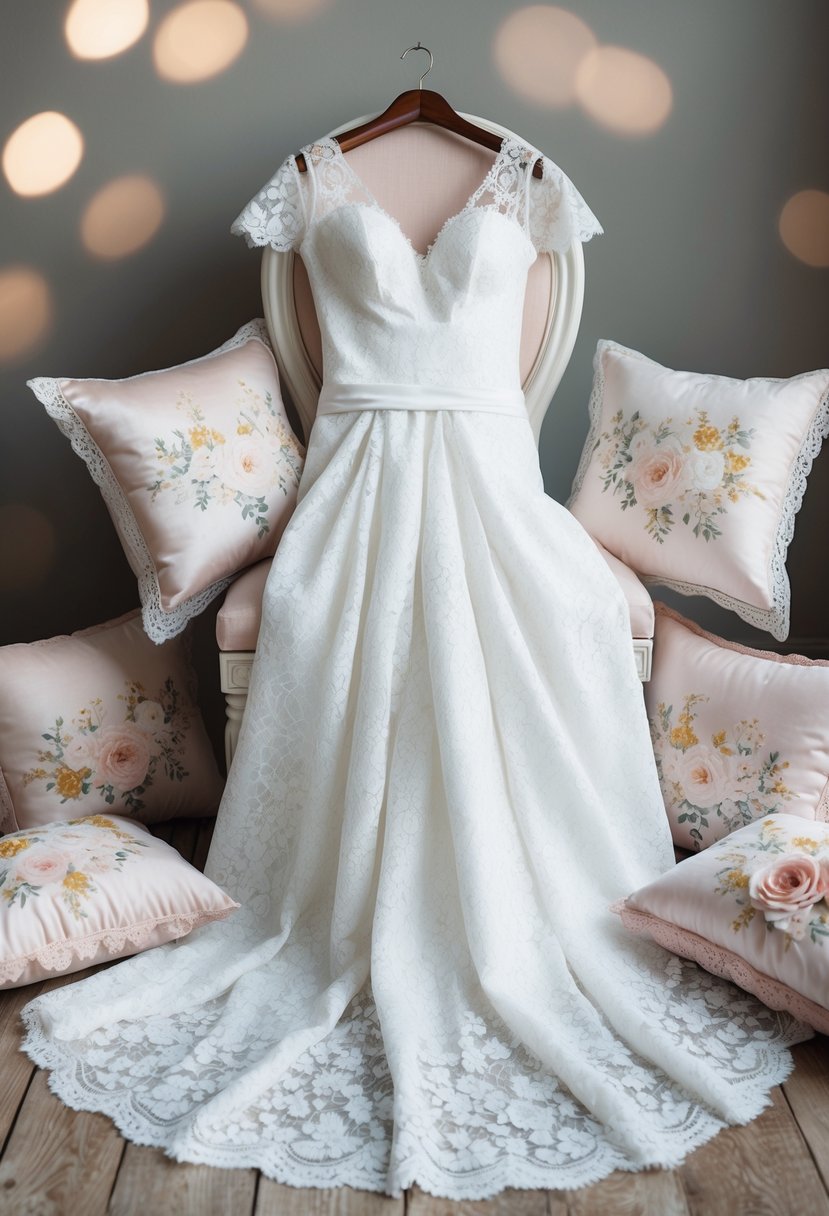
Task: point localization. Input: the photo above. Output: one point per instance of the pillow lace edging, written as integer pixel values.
(774, 620)
(160, 624)
(54, 956)
(719, 960)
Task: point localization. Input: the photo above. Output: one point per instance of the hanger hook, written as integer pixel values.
(431, 60)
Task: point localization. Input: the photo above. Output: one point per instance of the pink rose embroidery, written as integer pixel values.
(704, 776)
(786, 889)
(41, 865)
(123, 756)
(658, 474)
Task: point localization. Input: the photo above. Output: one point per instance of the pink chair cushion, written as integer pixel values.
(237, 625)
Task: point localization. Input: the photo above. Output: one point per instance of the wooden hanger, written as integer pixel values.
(417, 105)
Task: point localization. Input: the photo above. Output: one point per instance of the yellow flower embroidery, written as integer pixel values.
(683, 737)
(804, 842)
(744, 918)
(77, 882)
(707, 438)
(735, 880)
(200, 435)
(244, 428)
(69, 783)
(736, 462)
(9, 848)
(98, 821)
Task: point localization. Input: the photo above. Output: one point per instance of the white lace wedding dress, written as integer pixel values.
(444, 778)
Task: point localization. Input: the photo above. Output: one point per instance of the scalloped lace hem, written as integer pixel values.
(64, 1081)
(719, 960)
(58, 956)
(373, 1167)
(160, 623)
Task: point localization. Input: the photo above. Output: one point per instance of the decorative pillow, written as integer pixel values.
(102, 720)
(753, 908)
(737, 733)
(82, 891)
(197, 464)
(694, 481)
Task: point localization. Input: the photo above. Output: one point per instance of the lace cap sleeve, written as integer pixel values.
(558, 215)
(276, 214)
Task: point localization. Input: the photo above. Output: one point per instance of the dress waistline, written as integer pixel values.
(340, 398)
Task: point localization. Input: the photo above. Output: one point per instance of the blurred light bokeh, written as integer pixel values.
(624, 91)
(537, 51)
(42, 153)
(25, 311)
(99, 29)
(804, 227)
(199, 39)
(122, 216)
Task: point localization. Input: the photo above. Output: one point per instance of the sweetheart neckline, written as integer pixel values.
(331, 143)
(422, 259)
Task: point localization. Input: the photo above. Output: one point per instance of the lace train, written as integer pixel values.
(490, 1115)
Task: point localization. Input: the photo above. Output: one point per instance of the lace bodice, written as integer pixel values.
(449, 317)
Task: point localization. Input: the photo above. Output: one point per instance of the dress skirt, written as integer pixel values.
(444, 778)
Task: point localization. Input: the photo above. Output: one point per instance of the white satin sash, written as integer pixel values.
(338, 398)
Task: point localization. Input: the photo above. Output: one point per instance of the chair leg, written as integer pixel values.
(234, 670)
(235, 708)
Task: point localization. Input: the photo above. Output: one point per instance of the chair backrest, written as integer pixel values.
(421, 174)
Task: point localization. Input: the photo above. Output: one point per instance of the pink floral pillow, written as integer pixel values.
(753, 908)
(82, 891)
(694, 480)
(98, 721)
(197, 464)
(737, 733)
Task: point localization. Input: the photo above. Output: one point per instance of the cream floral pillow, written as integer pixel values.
(737, 733)
(81, 891)
(753, 908)
(103, 720)
(197, 464)
(694, 480)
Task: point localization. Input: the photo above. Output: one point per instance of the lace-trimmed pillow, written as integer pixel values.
(737, 733)
(99, 721)
(713, 908)
(84, 891)
(197, 464)
(694, 480)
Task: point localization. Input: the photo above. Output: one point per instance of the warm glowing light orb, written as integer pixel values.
(623, 90)
(98, 29)
(25, 310)
(27, 547)
(42, 153)
(290, 11)
(538, 50)
(199, 39)
(804, 227)
(122, 216)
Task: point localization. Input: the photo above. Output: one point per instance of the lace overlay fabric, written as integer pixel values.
(443, 779)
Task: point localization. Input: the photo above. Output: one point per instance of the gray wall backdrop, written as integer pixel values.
(691, 271)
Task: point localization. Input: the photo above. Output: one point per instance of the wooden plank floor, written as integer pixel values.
(58, 1162)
